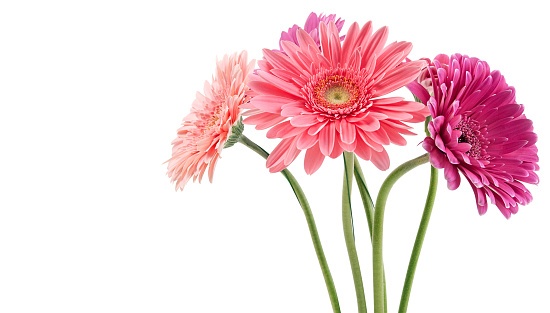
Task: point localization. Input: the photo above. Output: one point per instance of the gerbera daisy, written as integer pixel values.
(311, 27)
(205, 130)
(423, 81)
(479, 130)
(327, 100)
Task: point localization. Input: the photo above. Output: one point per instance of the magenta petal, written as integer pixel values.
(481, 200)
(438, 159)
(419, 91)
(312, 22)
(452, 176)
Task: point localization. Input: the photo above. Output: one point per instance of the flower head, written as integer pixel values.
(327, 99)
(205, 130)
(479, 130)
(424, 79)
(311, 27)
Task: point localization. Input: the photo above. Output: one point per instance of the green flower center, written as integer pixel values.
(337, 95)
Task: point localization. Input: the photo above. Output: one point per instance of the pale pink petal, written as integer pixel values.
(207, 127)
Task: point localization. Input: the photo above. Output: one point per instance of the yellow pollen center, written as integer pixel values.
(337, 95)
(335, 92)
(212, 120)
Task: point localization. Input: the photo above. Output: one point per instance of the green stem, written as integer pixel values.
(369, 209)
(426, 123)
(348, 232)
(365, 195)
(378, 264)
(310, 223)
(419, 240)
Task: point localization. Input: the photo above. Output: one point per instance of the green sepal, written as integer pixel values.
(426, 123)
(236, 133)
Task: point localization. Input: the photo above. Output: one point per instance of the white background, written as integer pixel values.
(91, 95)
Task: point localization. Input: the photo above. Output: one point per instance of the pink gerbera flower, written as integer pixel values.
(478, 129)
(328, 100)
(205, 130)
(311, 27)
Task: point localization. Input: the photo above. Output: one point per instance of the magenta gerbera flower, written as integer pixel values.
(311, 27)
(206, 129)
(479, 130)
(327, 100)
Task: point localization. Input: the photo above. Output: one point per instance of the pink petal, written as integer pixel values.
(399, 77)
(304, 120)
(293, 109)
(381, 160)
(347, 132)
(268, 103)
(363, 150)
(326, 138)
(306, 141)
(313, 159)
(266, 88)
(278, 154)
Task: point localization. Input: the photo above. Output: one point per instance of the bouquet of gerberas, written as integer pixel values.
(324, 93)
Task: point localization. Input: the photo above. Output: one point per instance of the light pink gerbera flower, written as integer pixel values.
(205, 130)
(328, 100)
(478, 129)
(311, 27)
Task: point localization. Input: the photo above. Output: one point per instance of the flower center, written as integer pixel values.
(336, 92)
(213, 119)
(337, 95)
(472, 135)
(208, 120)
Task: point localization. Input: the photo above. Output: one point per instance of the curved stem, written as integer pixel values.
(426, 123)
(365, 195)
(369, 209)
(378, 267)
(310, 223)
(348, 232)
(419, 240)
